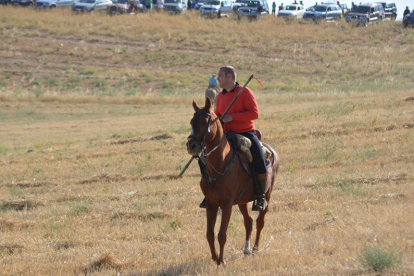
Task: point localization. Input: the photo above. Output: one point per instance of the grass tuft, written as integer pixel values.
(377, 259)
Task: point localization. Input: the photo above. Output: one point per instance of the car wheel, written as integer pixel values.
(366, 23)
(379, 20)
(219, 14)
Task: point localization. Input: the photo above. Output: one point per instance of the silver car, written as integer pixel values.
(91, 5)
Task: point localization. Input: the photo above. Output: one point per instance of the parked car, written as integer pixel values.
(324, 12)
(54, 3)
(311, 8)
(29, 3)
(117, 7)
(249, 9)
(390, 10)
(408, 20)
(175, 6)
(216, 8)
(238, 4)
(292, 11)
(366, 14)
(91, 5)
(198, 4)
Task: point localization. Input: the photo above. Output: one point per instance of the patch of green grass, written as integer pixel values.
(327, 152)
(149, 79)
(53, 229)
(52, 82)
(3, 84)
(175, 224)
(17, 191)
(73, 82)
(98, 83)
(3, 149)
(376, 259)
(38, 92)
(81, 208)
(88, 71)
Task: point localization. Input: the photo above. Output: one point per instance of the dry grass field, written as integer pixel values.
(94, 116)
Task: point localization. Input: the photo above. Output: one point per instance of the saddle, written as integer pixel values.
(243, 144)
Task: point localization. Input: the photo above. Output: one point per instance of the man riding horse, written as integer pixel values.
(240, 119)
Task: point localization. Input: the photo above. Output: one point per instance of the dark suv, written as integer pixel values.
(390, 10)
(366, 14)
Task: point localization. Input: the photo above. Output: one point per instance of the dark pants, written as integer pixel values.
(259, 164)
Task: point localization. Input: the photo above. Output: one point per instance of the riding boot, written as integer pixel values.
(203, 204)
(260, 203)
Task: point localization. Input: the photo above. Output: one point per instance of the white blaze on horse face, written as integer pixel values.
(247, 249)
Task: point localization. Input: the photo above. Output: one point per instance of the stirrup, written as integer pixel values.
(259, 203)
(203, 204)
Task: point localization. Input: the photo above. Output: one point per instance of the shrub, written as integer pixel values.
(375, 258)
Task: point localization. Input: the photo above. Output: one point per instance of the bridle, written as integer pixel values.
(195, 125)
(202, 155)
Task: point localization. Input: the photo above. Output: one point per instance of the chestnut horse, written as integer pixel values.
(234, 186)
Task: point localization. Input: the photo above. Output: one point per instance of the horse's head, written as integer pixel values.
(204, 123)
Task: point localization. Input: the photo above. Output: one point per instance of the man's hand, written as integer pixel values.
(227, 118)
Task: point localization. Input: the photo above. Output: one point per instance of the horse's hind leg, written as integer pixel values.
(248, 224)
(211, 222)
(259, 226)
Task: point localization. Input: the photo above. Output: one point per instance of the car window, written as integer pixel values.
(212, 2)
(251, 4)
(320, 8)
(361, 9)
(290, 8)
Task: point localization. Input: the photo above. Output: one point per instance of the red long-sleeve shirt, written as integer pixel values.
(244, 109)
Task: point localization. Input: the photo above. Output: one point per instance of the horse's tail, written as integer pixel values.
(275, 164)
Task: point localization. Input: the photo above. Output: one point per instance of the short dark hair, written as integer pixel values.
(229, 70)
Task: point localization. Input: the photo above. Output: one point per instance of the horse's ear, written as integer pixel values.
(195, 106)
(208, 103)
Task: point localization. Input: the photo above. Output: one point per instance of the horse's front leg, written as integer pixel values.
(248, 225)
(211, 222)
(222, 236)
(260, 221)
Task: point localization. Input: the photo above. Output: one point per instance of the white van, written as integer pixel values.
(175, 6)
(217, 8)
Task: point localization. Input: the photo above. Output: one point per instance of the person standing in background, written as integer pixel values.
(274, 9)
(406, 11)
(160, 5)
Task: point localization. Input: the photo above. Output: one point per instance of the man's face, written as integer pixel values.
(222, 79)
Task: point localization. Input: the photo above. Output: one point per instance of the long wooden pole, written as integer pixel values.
(222, 116)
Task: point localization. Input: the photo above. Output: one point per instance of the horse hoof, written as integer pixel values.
(247, 252)
(221, 263)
